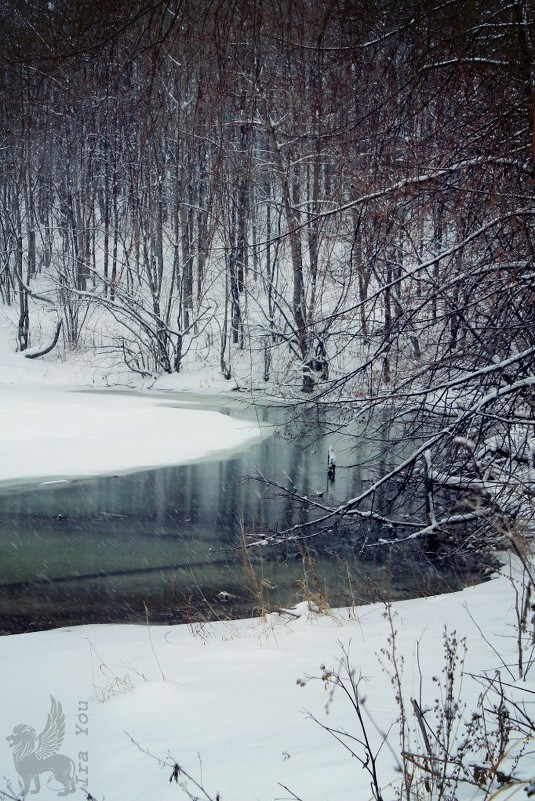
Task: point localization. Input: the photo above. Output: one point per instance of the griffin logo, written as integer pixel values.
(34, 755)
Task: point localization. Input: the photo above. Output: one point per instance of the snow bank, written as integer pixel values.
(55, 433)
(223, 698)
(54, 424)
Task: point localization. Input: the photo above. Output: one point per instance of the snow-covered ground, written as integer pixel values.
(51, 426)
(231, 702)
(223, 699)
(56, 432)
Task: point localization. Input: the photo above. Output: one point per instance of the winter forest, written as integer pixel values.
(330, 200)
(328, 206)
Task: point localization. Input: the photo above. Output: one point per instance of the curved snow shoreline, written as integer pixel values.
(58, 433)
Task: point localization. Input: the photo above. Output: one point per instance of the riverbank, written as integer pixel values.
(234, 703)
(52, 432)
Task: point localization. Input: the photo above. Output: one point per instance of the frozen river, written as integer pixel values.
(167, 540)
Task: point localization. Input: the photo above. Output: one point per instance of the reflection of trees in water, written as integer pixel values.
(372, 447)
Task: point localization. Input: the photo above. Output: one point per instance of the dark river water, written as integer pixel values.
(165, 543)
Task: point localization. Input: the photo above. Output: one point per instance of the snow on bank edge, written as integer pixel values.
(223, 698)
(58, 433)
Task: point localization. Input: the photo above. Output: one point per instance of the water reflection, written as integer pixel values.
(100, 550)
